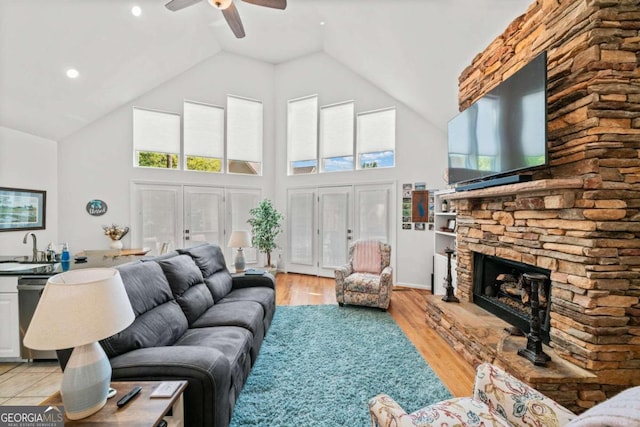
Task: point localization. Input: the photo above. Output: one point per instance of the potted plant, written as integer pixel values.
(265, 224)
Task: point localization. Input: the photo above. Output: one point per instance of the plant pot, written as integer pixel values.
(116, 244)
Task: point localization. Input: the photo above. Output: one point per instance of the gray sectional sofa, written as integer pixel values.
(194, 321)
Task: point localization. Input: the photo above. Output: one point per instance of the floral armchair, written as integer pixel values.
(367, 279)
(498, 400)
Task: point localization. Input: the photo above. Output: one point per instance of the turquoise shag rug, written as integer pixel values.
(319, 365)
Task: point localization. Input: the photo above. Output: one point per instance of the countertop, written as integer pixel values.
(95, 259)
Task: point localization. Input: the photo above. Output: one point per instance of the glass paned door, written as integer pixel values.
(239, 203)
(372, 212)
(336, 229)
(321, 224)
(203, 216)
(302, 229)
(157, 215)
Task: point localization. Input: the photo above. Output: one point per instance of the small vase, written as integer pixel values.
(116, 244)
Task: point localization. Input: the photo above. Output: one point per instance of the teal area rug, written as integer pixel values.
(319, 365)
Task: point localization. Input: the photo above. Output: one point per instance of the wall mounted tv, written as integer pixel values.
(503, 132)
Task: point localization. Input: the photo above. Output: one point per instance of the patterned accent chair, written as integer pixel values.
(367, 279)
(498, 400)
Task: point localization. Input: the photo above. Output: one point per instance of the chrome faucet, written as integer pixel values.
(35, 244)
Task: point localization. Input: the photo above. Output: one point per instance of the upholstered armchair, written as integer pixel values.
(498, 400)
(367, 279)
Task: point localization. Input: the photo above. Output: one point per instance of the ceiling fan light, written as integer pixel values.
(220, 4)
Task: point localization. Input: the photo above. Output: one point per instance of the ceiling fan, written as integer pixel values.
(228, 10)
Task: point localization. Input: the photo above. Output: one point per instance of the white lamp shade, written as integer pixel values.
(239, 239)
(79, 307)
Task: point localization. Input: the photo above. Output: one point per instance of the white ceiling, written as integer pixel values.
(412, 49)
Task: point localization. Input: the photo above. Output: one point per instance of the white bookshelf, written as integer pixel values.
(443, 239)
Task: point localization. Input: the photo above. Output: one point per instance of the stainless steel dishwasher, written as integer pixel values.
(29, 291)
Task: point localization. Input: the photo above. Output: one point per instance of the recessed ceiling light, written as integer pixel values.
(136, 11)
(72, 73)
(322, 22)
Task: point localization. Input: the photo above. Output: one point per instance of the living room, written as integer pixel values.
(94, 160)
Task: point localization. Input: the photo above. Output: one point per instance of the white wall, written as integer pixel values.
(96, 162)
(420, 151)
(28, 161)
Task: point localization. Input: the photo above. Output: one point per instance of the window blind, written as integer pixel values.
(156, 131)
(336, 130)
(376, 131)
(203, 130)
(302, 128)
(244, 129)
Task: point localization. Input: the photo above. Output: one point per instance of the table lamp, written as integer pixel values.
(77, 309)
(239, 239)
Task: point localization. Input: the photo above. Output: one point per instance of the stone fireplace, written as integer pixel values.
(579, 218)
(499, 287)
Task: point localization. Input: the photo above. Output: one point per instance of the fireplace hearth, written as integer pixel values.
(500, 288)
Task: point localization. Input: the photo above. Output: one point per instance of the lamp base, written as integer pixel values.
(239, 262)
(85, 381)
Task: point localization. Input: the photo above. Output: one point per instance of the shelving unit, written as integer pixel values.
(443, 239)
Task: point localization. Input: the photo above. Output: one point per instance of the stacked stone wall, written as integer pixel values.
(586, 233)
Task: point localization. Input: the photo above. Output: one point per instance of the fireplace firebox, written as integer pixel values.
(500, 288)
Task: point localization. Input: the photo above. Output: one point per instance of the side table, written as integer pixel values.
(141, 411)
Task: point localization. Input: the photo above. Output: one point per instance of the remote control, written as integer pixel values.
(127, 397)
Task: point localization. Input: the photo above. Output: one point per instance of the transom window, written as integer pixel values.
(156, 139)
(325, 139)
(203, 137)
(244, 135)
(302, 135)
(336, 136)
(376, 138)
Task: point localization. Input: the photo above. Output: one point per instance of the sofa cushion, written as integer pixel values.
(208, 258)
(187, 285)
(245, 314)
(260, 294)
(219, 284)
(159, 320)
(460, 411)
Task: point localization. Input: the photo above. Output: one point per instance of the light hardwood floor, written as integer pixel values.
(30, 383)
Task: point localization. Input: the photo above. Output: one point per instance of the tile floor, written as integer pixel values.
(28, 383)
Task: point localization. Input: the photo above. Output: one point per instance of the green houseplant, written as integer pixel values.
(265, 224)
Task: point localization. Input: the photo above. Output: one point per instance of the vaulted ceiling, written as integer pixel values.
(412, 49)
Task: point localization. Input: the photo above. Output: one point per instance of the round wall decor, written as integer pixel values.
(96, 207)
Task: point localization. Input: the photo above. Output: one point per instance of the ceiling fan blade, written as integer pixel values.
(233, 19)
(276, 4)
(180, 4)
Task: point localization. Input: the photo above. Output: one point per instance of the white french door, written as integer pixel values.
(203, 216)
(156, 216)
(335, 227)
(177, 216)
(323, 221)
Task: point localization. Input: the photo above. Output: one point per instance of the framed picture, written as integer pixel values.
(22, 209)
(420, 206)
(451, 225)
(418, 226)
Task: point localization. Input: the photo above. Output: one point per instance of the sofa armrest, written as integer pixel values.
(385, 412)
(515, 401)
(206, 369)
(251, 280)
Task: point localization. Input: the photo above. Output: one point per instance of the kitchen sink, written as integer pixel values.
(21, 266)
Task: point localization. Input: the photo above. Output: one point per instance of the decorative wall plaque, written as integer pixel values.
(96, 207)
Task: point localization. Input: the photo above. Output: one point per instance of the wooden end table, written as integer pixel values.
(141, 411)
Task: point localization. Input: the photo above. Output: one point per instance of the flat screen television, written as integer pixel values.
(503, 132)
